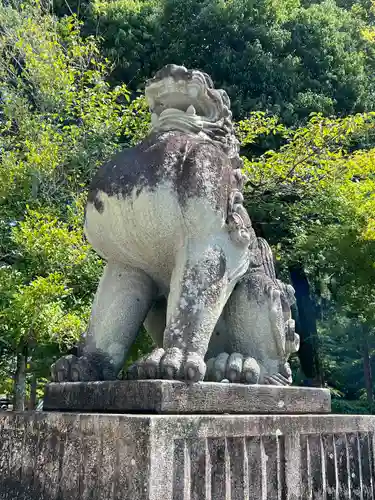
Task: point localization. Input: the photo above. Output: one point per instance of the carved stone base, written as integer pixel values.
(61, 456)
(165, 396)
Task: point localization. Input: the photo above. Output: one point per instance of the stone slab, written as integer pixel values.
(165, 396)
(70, 456)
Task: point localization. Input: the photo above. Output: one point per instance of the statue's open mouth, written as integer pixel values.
(186, 100)
(177, 100)
(188, 91)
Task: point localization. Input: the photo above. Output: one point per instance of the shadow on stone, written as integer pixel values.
(11, 489)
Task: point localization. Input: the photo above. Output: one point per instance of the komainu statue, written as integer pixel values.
(182, 257)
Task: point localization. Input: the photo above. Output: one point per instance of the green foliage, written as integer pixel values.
(288, 57)
(313, 198)
(59, 119)
(314, 194)
(311, 188)
(349, 407)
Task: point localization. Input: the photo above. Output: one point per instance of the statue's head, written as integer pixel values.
(186, 100)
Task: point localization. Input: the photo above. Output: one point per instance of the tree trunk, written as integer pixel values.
(306, 327)
(33, 387)
(20, 379)
(367, 367)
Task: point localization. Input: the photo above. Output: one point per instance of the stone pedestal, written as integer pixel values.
(73, 456)
(57, 456)
(168, 396)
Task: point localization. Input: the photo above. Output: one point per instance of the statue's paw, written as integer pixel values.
(175, 364)
(73, 369)
(283, 377)
(234, 367)
(169, 364)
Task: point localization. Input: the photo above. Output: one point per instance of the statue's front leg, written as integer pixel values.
(198, 293)
(204, 276)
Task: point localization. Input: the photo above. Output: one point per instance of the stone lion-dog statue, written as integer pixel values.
(181, 255)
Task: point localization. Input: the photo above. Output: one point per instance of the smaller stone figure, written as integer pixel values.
(257, 327)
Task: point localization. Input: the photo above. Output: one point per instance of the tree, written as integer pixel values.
(313, 199)
(280, 56)
(58, 120)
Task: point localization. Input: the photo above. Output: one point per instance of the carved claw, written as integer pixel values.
(194, 367)
(169, 364)
(132, 372)
(251, 371)
(283, 377)
(234, 367)
(151, 364)
(275, 379)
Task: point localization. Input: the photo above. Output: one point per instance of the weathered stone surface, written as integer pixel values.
(166, 396)
(168, 217)
(62, 456)
(71, 457)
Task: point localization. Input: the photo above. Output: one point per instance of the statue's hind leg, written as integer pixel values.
(148, 366)
(155, 321)
(122, 301)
